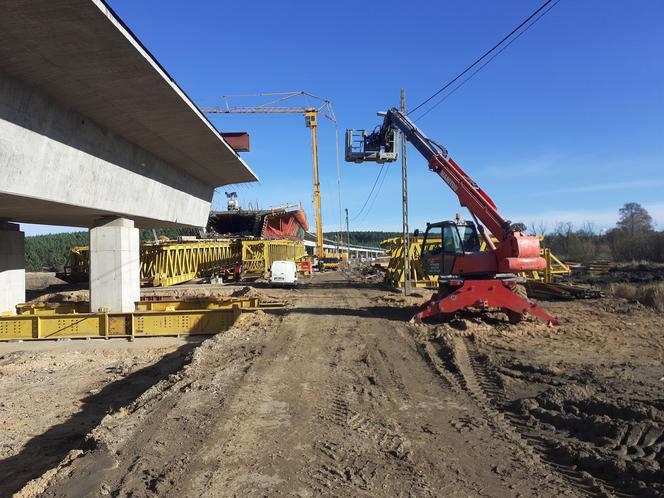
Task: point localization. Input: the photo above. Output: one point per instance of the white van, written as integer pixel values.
(283, 273)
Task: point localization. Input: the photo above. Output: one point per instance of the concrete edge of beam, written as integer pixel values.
(108, 11)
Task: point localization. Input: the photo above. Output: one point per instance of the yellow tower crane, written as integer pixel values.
(313, 107)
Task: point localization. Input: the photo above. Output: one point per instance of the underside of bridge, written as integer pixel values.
(95, 133)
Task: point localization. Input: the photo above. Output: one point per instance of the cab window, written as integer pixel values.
(451, 240)
(471, 242)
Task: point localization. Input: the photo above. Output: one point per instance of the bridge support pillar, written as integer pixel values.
(12, 266)
(114, 265)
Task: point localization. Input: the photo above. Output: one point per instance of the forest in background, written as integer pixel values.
(49, 252)
(634, 238)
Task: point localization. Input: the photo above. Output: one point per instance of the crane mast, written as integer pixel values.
(310, 114)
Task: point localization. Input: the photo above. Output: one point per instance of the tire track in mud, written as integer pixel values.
(475, 366)
(361, 452)
(363, 415)
(148, 448)
(482, 381)
(464, 373)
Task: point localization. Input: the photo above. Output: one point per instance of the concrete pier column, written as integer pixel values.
(12, 266)
(114, 265)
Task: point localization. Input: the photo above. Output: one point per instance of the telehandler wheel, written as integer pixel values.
(515, 317)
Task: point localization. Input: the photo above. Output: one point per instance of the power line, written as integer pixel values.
(380, 185)
(477, 61)
(485, 63)
(382, 166)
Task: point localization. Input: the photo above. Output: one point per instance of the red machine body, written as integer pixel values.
(517, 251)
(468, 278)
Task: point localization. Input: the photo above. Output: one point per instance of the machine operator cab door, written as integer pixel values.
(444, 242)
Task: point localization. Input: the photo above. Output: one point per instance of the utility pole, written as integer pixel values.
(347, 233)
(404, 205)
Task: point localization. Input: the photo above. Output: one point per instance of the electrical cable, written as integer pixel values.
(483, 65)
(376, 195)
(477, 61)
(382, 166)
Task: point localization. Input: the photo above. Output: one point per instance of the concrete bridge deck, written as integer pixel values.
(95, 133)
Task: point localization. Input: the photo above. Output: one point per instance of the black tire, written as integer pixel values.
(515, 317)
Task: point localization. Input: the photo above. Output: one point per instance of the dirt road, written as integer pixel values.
(334, 398)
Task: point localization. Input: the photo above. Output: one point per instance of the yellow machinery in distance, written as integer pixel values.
(323, 107)
(167, 262)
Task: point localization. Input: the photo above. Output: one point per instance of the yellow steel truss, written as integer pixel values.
(170, 263)
(78, 264)
(258, 255)
(394, 276)
(554, 266)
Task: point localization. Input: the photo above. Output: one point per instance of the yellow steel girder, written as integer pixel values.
(147, 305)
(395, 274)
(108, 325)
(170, 263)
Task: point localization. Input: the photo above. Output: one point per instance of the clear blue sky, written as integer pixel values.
(567, 124)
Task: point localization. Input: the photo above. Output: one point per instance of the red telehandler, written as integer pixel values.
(467, 276)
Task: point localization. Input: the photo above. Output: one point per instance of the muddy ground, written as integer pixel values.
(339, 396)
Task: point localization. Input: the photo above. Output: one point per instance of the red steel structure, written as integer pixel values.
(283, 222)
(285, 225)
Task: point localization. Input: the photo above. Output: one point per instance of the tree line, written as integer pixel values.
(50, 252)
(634, 238)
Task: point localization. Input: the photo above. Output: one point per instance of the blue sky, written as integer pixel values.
(567, 124)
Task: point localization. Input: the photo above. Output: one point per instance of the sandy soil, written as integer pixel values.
(586, 395)
(54, 393)
(339, 396)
